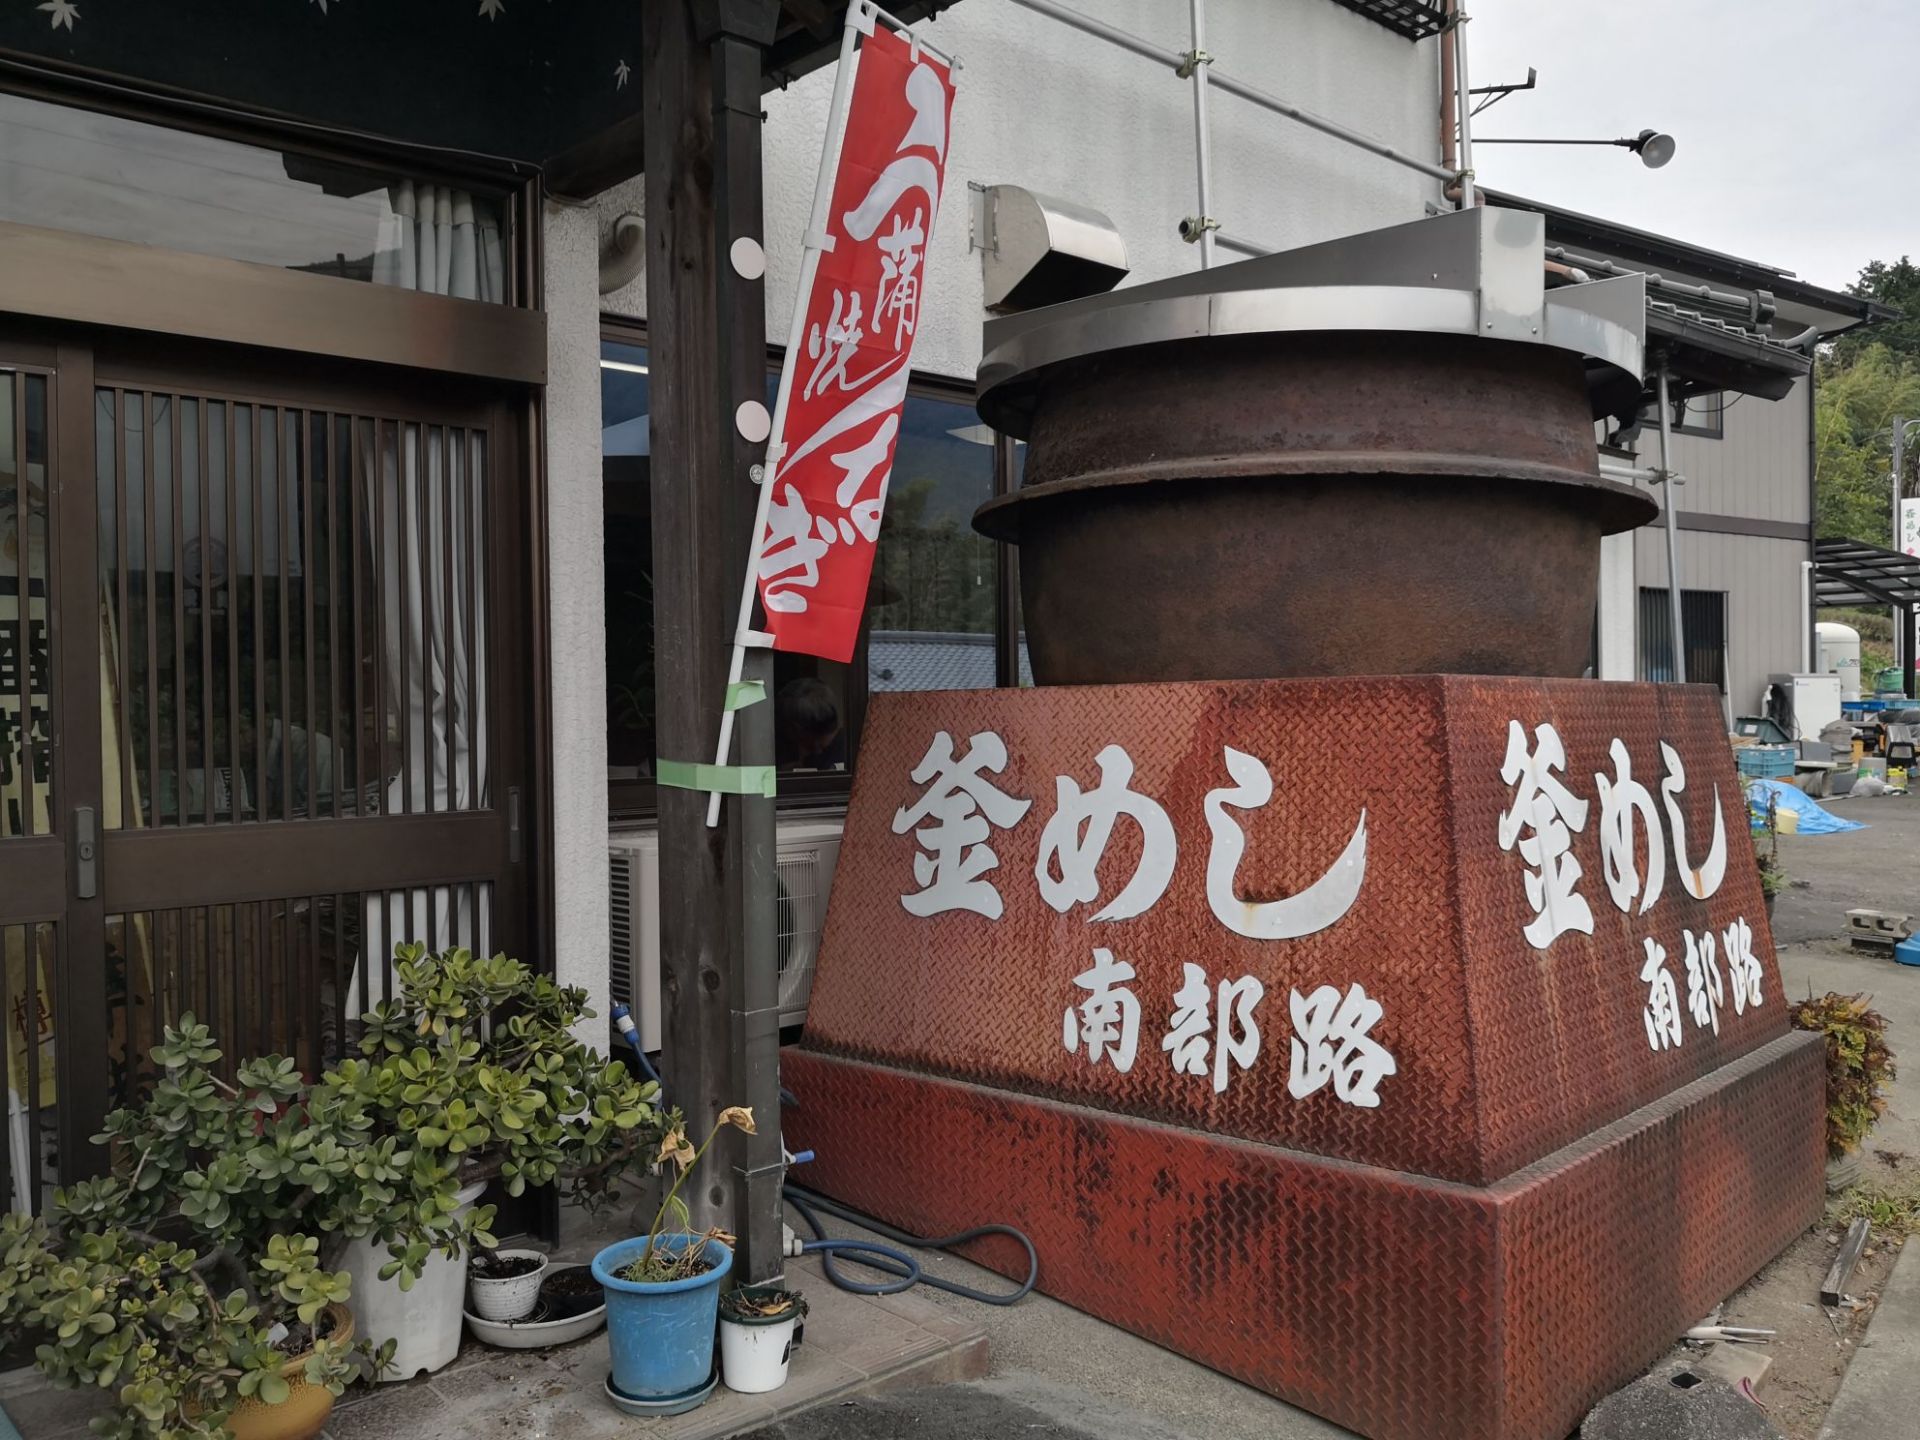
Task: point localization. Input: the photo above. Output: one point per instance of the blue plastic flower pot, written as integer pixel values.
(661, 1336)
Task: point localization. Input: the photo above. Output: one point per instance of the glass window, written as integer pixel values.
(931, 604)
(625, 472)
(931, 601)
(69, 169)
(26, 651)
(1703, 624)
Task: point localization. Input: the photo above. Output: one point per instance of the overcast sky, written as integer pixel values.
(1798, 121)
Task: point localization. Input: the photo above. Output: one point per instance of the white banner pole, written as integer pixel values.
(859, 22)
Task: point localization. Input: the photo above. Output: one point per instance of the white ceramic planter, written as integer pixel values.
(753, 1358)
(512, 1298)
(424, 1322)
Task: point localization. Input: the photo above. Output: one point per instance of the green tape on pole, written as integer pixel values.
(726, 779)
(743, 693)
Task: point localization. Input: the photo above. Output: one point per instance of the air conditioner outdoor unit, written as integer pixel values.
(805, 854)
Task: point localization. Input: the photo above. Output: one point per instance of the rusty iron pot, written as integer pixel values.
(1311, 504)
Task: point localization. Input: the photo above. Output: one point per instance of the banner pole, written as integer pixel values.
(859, 22)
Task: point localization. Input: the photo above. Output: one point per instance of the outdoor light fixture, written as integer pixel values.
(1654, 147)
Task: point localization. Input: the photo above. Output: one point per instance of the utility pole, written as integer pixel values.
(706, 311)
(1903, 626)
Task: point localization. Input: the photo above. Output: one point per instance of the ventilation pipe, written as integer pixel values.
(623, 256)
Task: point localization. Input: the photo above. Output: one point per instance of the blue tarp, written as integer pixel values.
(1814, 820)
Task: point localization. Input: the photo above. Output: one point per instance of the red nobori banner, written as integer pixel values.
(847, 380)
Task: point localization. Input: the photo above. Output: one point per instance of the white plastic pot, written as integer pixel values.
(513, 1297)
(424, 1322)
(753, 1357)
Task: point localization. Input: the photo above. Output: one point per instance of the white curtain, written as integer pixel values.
(435, 241)
(430, 504)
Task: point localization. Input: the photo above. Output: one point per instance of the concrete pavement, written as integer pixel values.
(1877, 1399)
(1879, 869)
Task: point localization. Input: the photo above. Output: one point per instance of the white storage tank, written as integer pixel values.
(1839, 647)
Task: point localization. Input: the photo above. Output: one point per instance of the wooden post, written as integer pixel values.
(707, 343)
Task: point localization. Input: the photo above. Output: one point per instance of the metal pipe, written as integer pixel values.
(1536, 140)
(1630, 474)
(1899, 467)
(1198, 62)
(1806, 617)
(1240, 246)
(1750, 305)
(1173, 60)
(1670, 504)
(1449, 82)
(1469, 196)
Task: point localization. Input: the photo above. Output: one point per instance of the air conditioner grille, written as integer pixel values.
(620, 953)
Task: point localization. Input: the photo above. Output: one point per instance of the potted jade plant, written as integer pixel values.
(663, 1291)
(472, 1068)
(470, 1075)
(760, 1327)
(1859, 1065)
(156, 1326)
(189, 1282)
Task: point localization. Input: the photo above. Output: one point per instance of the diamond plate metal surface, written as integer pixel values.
(1403, 1307)
(1542, 1198)
(1505, 1053)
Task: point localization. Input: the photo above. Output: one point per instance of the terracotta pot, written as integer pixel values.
(303, 1414)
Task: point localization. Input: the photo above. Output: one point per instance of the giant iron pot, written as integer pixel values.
(1223, 486)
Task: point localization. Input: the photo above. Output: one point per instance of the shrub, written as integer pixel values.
(1858, 1064)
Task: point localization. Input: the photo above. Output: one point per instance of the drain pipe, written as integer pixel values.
(1463, 90)
(1670, 503)
(1449, 94)
(1806, 617)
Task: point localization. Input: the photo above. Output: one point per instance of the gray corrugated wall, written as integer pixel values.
(1759, 471)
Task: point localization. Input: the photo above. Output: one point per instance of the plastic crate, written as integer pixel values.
(1766, 762)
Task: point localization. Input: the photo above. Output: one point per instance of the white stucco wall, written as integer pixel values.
(1050, 108)
(577, 605)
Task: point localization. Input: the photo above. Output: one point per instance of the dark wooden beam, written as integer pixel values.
(707, 337)
(613, 155)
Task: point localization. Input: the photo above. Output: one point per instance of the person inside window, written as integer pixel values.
(807, 727)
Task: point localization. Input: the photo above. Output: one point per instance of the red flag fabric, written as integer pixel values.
(834, 454)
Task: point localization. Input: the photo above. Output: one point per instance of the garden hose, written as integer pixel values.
(884, 1258)
(897, 1263)
(623, 1019)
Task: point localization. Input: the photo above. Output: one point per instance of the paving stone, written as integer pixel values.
(42, 1412)
(411, 1409)
(858, 1333)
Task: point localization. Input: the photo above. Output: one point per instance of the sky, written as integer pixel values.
(1798, 121)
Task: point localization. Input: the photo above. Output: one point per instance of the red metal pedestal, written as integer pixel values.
(1550, 1188)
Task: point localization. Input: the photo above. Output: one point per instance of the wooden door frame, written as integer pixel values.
(239, 862)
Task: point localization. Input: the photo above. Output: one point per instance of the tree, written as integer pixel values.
(1897, 285)
(1857, 399)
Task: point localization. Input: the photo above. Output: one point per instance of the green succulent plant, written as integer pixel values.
(228, 1204)
(1859, 1064)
